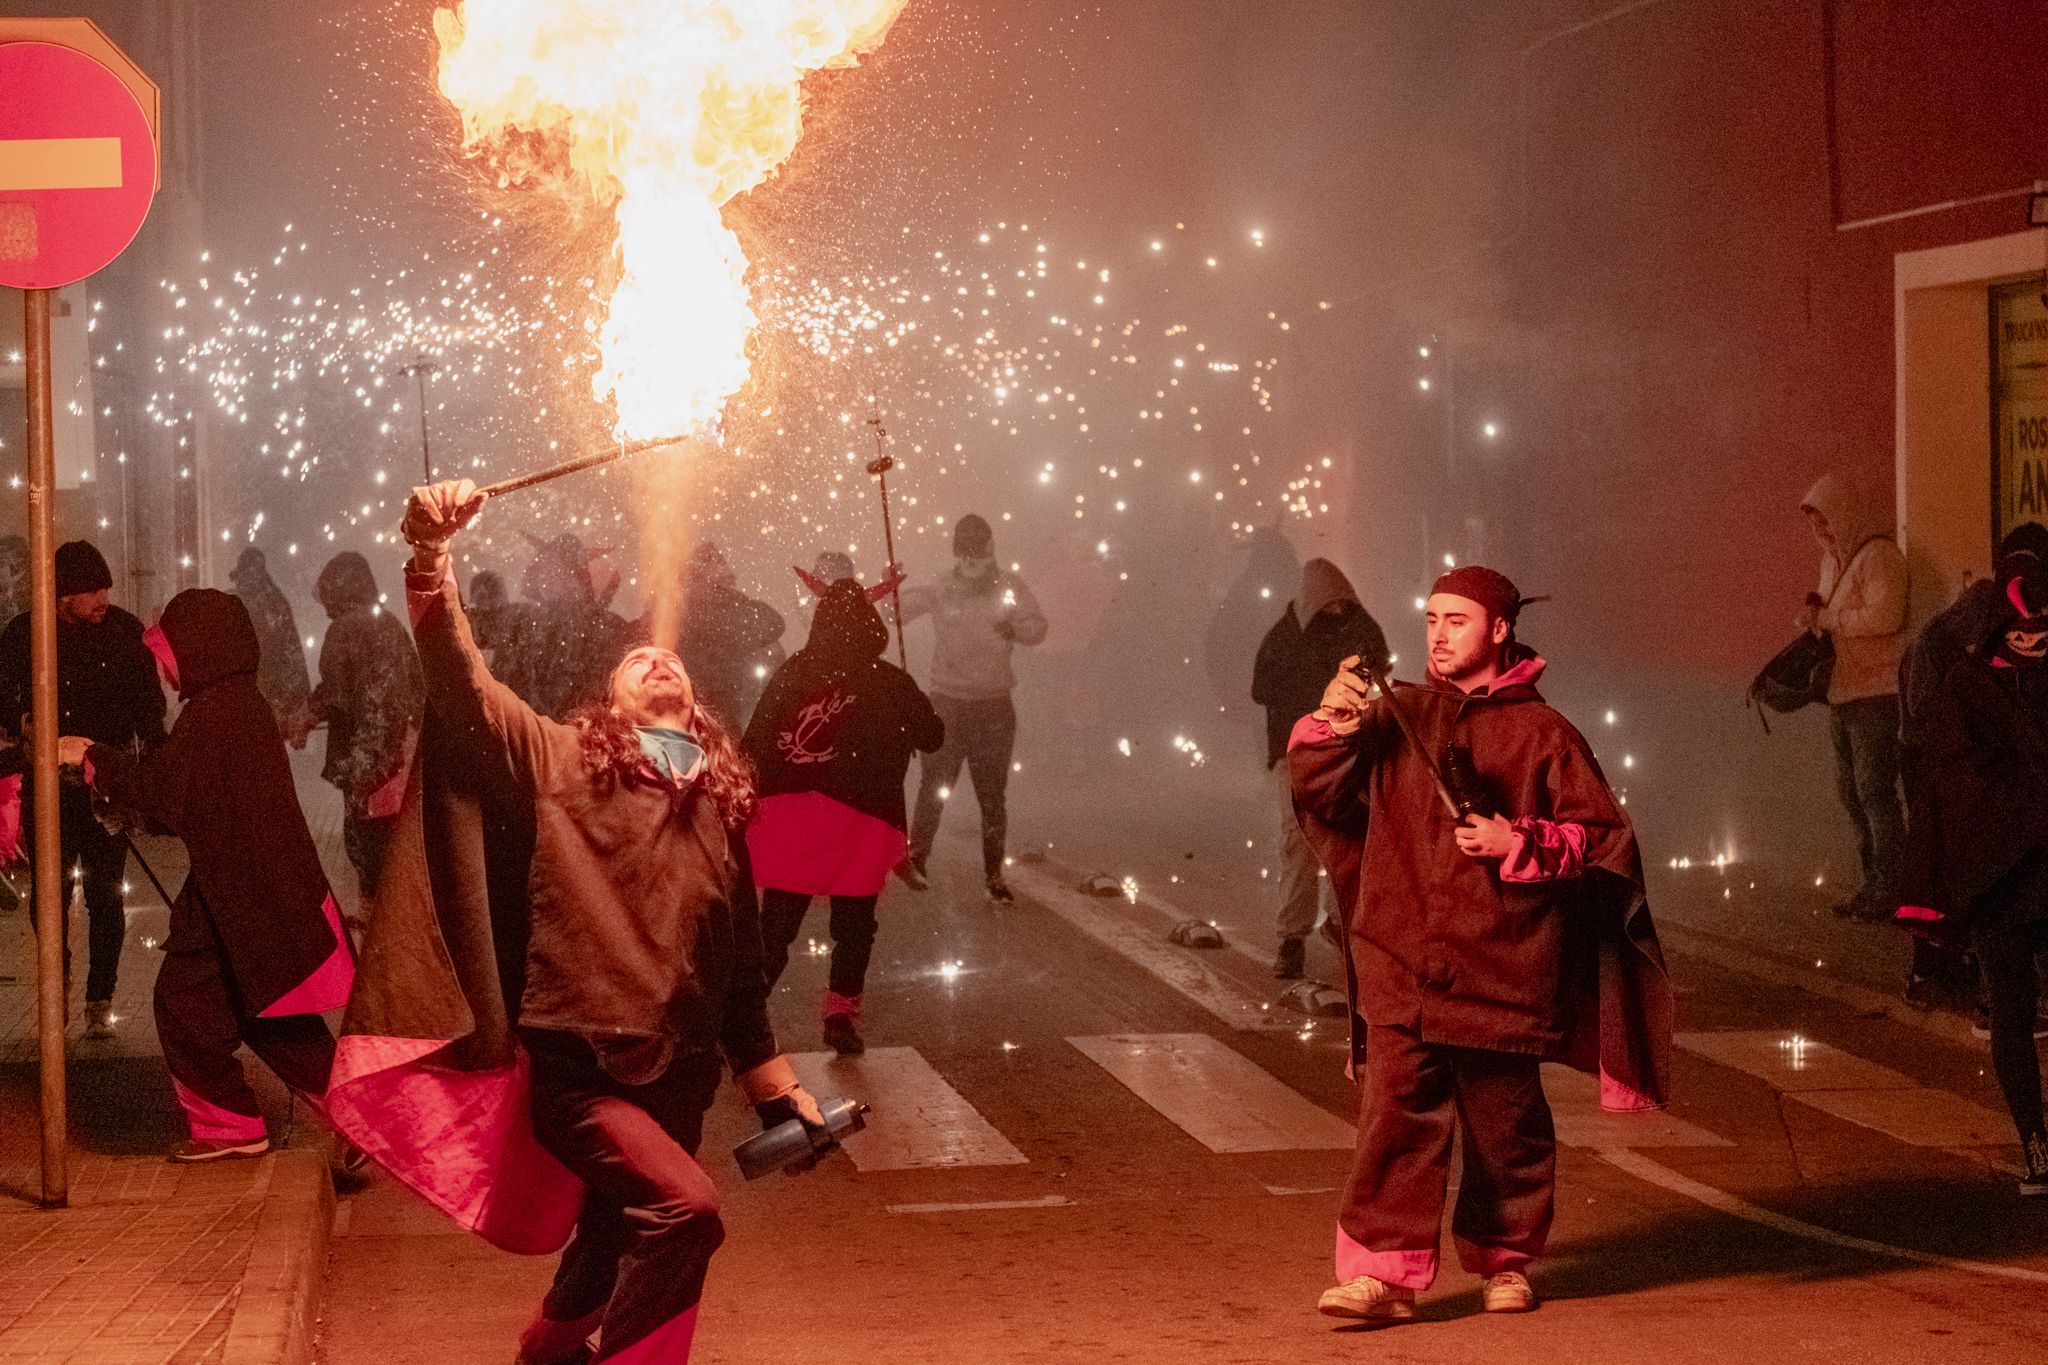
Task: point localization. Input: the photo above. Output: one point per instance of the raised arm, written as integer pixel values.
(460, 688)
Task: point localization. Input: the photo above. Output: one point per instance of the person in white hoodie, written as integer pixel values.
(1861, 607)
(980, 612)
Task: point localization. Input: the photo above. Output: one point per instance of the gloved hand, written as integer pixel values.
(773, 1090)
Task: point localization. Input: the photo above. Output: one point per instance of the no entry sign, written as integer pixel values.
(77, 165)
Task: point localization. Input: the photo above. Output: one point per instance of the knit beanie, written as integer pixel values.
(81, 568)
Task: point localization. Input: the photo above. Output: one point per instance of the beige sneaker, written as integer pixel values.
(1507, 1292)
(99, 1020)
(1369, 1300)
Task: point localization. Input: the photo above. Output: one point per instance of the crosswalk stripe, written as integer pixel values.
(1575, 1107)
(1216, 1096)
(1109, 923)
(1790, 1062)
(1853, 1089)
(918, 1120)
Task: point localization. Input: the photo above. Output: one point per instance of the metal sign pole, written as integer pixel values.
(47, 853)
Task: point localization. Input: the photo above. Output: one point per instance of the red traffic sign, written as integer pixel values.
(77, 165)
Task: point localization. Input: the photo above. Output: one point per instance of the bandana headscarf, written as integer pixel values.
(675, 754)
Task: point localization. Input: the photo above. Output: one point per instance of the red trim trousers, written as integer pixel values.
(650, 1219)
(1414, 1097)
(200, 1023)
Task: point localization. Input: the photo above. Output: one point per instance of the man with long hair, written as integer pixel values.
(642, 961)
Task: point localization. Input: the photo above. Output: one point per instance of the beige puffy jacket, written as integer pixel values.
(1865, 592)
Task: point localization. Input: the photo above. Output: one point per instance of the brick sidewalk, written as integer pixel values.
(148, 1263)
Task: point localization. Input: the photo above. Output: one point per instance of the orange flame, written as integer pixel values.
(660, 111)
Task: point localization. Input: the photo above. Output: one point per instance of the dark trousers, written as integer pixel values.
(2012, 984)
(1866, 738)
(982, 735)
(200, 1022)
(650, 1220)
(366, 842)
(96, 861)
(1413, 1098)
(853, 936)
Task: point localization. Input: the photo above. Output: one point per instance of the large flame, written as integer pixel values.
(660, 111)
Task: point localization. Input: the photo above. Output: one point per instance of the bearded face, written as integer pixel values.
(650, 686)
(1464, 638)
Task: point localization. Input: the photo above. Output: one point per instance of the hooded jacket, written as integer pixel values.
(223, 784)
(1863, 584)
(1979, 785)
(107, 688)
(370, 691)
(976, 625)
(282, 672)
(1551, 950)
(831, 740)
(1323, 626)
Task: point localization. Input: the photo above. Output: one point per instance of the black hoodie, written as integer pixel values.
(223, 784)
(838, 719)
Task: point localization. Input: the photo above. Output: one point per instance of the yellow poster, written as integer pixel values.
(2019, 403)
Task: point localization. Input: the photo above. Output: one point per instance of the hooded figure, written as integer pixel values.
(1468, 962)
(255, 950)
(980, 613)
(1323, 626)
(1981, 833)
(725, 634)
(1860, 605)
(282, 673)
(371, 697)
(555, 649)
(831, 741)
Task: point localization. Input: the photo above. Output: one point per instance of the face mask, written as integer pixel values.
(675, 755)
(977, 567)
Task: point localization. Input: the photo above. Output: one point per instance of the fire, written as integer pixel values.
(660, 112)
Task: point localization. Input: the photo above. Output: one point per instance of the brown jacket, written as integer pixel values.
(1526, 955)
(644, 939)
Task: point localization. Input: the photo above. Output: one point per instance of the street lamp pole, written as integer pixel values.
(421, 370)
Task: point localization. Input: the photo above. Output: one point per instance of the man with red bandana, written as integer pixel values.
(1476, 948)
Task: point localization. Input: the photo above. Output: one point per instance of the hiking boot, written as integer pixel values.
(911, 874)
(99, 1020)
(2035, 1181)
(197, 1150)
(1368, 1300)
(842, 1037)
(1291, 961)
(1920, 991)
(1507, 1292)
(1980, 1024)
(999, 891)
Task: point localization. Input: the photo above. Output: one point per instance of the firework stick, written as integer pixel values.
(1385, 684)
(880, 469)
(575, 466)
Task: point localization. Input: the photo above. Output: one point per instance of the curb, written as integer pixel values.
(278, 1305)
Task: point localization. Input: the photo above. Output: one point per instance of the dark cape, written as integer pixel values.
(1980, 783)
(223, 784)
(427, 1077)
(1436, 942)
(839, 719)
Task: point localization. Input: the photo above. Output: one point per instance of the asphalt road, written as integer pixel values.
(1092, 1145)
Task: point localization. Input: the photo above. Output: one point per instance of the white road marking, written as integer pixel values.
(1219, 1098)
(1919, 1117)
(1575, 1106)
(1284, 1190)
(1051, 1201)
(1143, 941)
(1853, 1089)
(918, 1120)
(1790, 1062)
(1664, 1178)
